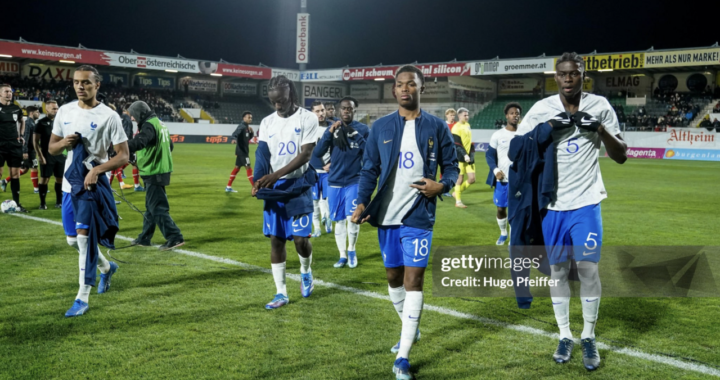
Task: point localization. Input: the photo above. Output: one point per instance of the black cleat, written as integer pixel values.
(58, 205)
(564, 351)
(42, 207)
(171, 244)
(141, 243)
(21, 209)
(591, 357)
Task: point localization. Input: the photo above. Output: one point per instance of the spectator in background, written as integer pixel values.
(641, 111)
(717, 108)
(705, 123)
(716, 125)
(450, 118)
(633, 120)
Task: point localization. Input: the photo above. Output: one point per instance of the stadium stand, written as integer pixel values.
(493, 112)
(229, 110)
(369, 112)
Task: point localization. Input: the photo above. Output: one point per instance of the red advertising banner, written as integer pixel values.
(370, 73)
(388, 72)
(254, 72)
(445, 69)
(51, 53)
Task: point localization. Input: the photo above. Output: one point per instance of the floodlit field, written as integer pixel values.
(199, 312)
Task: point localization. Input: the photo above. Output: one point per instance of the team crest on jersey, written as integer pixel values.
(93, 126)
(431, 143)
(297, 130)
(15, 116)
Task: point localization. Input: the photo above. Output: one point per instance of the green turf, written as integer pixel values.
(173, 316)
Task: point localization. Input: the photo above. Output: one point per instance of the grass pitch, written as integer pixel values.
(170, 315)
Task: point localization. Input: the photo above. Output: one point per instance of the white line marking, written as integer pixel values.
(442, 310)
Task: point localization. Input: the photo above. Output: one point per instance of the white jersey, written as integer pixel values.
(500, 141)
(326, 156)
(396, 204)
(579, 181)
(286, 136)
(100, 127)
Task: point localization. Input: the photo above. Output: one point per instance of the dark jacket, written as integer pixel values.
(127, 125)
(492, 160)
(346, 163)
(241, 147)
(147, 136)
(295, 193)
(28, 136)
(95, 207)
(381, 156)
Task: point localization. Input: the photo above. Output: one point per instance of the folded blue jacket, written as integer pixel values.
(295, 193)
(94, 208)
(492, 160)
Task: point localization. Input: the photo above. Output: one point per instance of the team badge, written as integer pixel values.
(15, 116)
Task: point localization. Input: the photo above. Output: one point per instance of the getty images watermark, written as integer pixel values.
(625, 271)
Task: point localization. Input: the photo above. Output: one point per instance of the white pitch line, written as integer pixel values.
(442, 310)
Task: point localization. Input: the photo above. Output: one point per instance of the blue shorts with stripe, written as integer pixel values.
(70, 225)
(501, 194)
(342, 201)
(404, 246)
(574, 234)
(320, 188)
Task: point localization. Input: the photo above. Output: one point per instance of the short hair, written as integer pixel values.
(512, 105)
(315, 104)
(31, 109)
(51, 102)
(5, 85)
(461, 110)
(246, 113)
(96, 75)
(282, 80)
(571, 57)
(331, 104)
(411, 69)
(450, 111)
(112, 106)
(351, 99)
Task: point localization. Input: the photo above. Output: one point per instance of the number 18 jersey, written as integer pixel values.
(286, 136)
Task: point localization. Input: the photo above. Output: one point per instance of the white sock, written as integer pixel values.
(84, 291)
(122, 183)
(590, 313)
(72, 241)
(103, 263)
(561, 305)
(137, 185)
(397, 296)
(278, 271)
(316, 216)
(305, 263)
(503, 226)
(353, 232)
(410, 321)
(341, 236)
(324, 208)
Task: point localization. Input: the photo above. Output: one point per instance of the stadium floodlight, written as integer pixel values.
(548, 72)
(6, 55)
(216, 75)
(379, 79)
(64, 61)
(605, 70)
(171, 71)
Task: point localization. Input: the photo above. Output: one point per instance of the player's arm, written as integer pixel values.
(122, 154)
(36, 144)
(614, 145)
(146, 137)
(325, 142)
(21, 131)
(58, 144)
(236, 135)
(368, 176)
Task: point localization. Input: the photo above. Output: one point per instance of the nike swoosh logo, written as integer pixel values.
(267, 225)
(271, 136)
(67, 122)
(399, 302)
(294, 230)
(416, 260)
(386, 141)
(558, 303)
(411, 317)
(588, 253)
(587, 300)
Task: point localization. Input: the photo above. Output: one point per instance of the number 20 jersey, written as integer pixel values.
(579, 180)
(286, 136)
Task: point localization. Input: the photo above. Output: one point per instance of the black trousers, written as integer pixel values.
(157, 213)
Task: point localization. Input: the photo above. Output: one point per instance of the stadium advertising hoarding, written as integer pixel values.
(365, 91)
(39, 71)
(388, 72)
(638, 84)
(698, 57)
(9, 68)
(551, 85)
(322, 92)
(293, 75)
(186, 65)
(151, 81)
(239, 88)
(520, 86)
(52, 53)
(302, 38)
(517, 66)
(115, 78)
(436, 91)
(692, 154)
(472, 84)
(625, 61)
(321, 75)
(198, 84)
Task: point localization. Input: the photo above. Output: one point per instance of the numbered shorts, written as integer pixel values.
(276, 222)
(404, 246)
(320, 189)
(342, 201)
(466, 168)
(501, 194)
(68, 216)
(242, 160)
(573, 234)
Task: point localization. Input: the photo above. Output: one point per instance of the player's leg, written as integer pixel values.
(500, 198)
(119, 175)
(136, 179)
(470, 173)
(157, 202)
(15, 187)
(249, 171)
(43, 184)
(353, 230)
(457, 193)
(301, 231)
(337, 214)
(324, 205)
(144, 239)
(316, 210)
(233, 174)
(33, 165)
(58, 170)
(275, 227)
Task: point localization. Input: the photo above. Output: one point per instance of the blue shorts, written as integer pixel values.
(501, 194)
(573, 234)
(276, 222)
(320, 188)
(68, 217)
(342, 201)
(404, 246)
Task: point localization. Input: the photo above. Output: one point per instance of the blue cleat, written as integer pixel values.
(104, 285)
(563, 353)
(501, 240)
(3, 185)
(401, 369)
(352, 259)
(591, 357)
(316, 233)
(306, 284)
(78, 308)
(396, 347)
(280, 300)
(326, 221)
(341, 263)
(230, 190)
(139, 189)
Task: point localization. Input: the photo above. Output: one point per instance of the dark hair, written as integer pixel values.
(571, 57)
(350, 98)
(246, 113)
(512, 105)
(315, 104)
(96, 75)
(411, 69)
(282, 80)
(31, 109)
(329, 104)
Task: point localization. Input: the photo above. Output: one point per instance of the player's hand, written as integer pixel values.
(234, 142)
(586, 121)
(25, 156)
(335, 126)
(326, 168)
(42, 160)
(70, 141)
(91, 179)
(253, 191)
(357, 213)
(561, 121)
(499, 175)
(21, 140)
(430, 189)
(467, 158)
(267, 181)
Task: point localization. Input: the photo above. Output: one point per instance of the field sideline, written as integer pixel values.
(182, 316)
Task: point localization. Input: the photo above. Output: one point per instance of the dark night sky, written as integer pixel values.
(363, 32)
